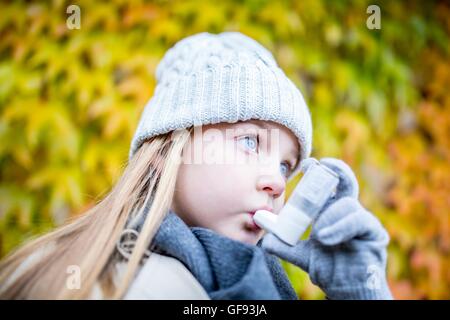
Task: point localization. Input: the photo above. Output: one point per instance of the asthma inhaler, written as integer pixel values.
(317, 185)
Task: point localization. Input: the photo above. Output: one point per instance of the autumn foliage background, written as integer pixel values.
(70, 101)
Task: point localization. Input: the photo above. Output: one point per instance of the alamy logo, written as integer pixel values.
(374, 20)
(73, 281)
(74, 20)
(374, 277)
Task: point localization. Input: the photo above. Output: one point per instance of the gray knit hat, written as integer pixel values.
(227, 77)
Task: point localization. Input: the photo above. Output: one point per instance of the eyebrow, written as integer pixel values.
(257, 123)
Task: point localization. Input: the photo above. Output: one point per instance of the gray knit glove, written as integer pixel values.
(345, 254)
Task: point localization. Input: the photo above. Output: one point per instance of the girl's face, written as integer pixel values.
(231, 170)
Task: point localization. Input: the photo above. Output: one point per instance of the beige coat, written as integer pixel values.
(160, 278)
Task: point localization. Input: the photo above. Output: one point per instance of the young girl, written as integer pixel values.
(220, 138)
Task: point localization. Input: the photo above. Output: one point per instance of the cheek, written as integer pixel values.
(205, 193)
(233, 180)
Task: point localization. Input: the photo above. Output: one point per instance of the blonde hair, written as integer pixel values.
(89, 241)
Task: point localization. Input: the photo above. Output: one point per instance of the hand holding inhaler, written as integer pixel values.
(345, 254)
(310, 195)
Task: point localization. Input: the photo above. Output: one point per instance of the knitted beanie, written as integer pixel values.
(228, 77)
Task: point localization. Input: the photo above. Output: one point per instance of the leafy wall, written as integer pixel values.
(70, 101)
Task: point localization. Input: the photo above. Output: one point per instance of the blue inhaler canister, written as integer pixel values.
(317, 185)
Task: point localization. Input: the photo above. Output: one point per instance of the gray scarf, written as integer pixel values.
(227, 269)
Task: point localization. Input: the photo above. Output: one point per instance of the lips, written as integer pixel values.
(252, 225)
(267, 208)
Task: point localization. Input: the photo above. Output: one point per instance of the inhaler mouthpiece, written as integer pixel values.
(308, 198)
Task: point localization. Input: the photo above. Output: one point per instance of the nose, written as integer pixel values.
(272, 183)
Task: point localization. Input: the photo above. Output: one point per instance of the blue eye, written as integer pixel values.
(285, 169)
(250, 142)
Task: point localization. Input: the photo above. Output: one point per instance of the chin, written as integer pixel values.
(248, 237)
